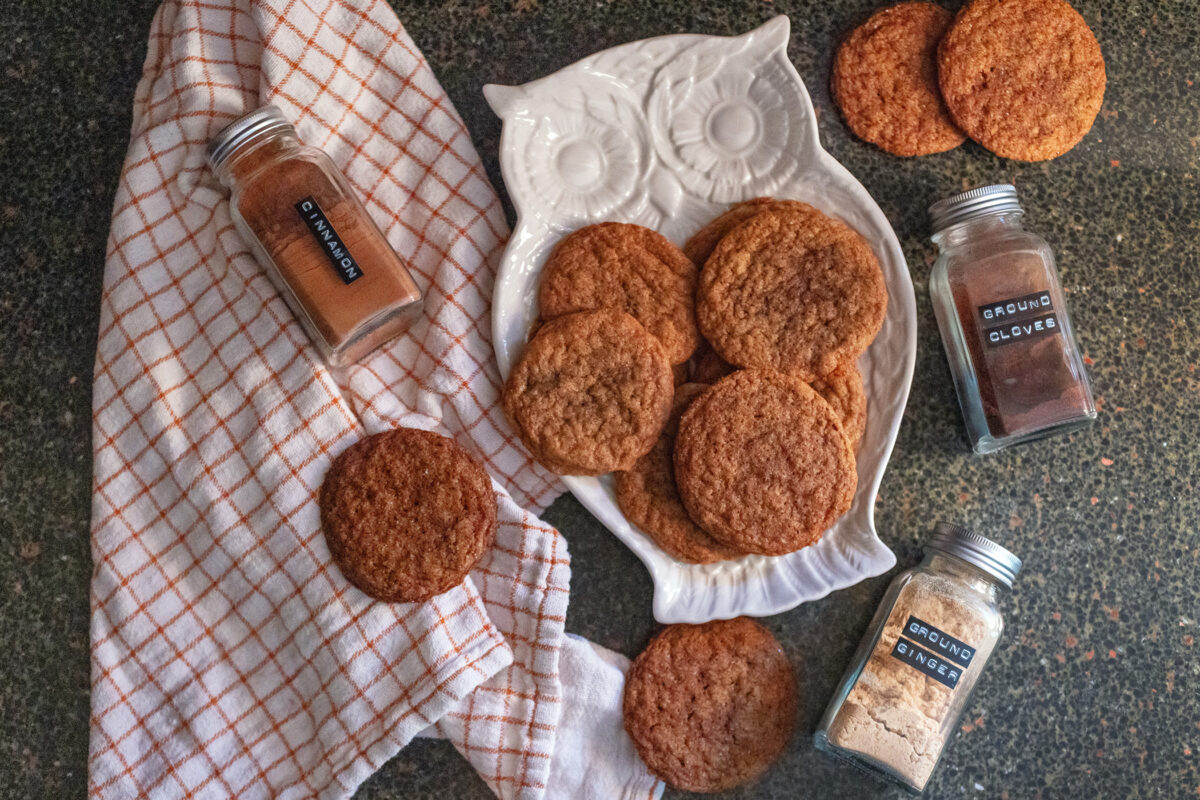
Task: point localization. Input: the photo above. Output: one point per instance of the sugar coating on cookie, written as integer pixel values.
(590, 393)
(406, 514)
(763, 464)
(1024, 78)
(648, 497)
(843, 390)
(629, 268)
(710, 707)
(791, 290)
(885, 81)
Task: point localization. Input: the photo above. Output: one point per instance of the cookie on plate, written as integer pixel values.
(590, 393)
(629, 268)
(704, 241)
(791, 290)
(843, 390)
(710, 706)
(407, 513)
(763, 464)
(648, 497)
(885, 81)
(707, 366)
(1024, 78)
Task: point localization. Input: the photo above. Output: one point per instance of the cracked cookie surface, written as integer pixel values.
(710, 706)
(590, 393)
(407, 513)
(762, 463)
(791, 290)
(630, 268)
(649, 498)
(1024, 78)
(843, 390)
(885, 81)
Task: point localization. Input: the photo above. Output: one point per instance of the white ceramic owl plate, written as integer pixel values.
(666, 133)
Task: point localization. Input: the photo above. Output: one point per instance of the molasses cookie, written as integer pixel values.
(1024, 78)
(791, 290)
(763, 464)
(591, 392)
(707, 366)
(885, 81)
(843, 390)
(629, 268)
(648, 497)
(709, 707)
(407, 513)
(704, 241)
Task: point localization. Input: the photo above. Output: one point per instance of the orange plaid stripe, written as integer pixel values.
(229, 657)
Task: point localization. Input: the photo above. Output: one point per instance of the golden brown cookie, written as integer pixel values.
(629, 268)
(707, 366)
(885, 81)
(407, 513)
(762, 463)
(1024, 78)
(591, 392)
(710, 706)
(843, 390)
(704, 241)
(648, 497)
(791, 290)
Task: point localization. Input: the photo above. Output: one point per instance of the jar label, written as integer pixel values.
(1018, 319)
(339, 256)
(933, 652)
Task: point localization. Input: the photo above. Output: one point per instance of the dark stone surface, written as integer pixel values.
(1092, 693)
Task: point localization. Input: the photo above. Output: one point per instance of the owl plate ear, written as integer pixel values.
(771, 35)
(504, 100)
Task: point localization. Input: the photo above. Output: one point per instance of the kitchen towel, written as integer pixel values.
(229, 656)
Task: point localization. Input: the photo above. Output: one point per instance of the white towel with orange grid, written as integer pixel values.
(229, 656)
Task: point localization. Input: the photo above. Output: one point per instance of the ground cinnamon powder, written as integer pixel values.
(352, 316)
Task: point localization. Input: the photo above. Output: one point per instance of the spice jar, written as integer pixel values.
(1004, 323)
(324, 253)
(923, 653)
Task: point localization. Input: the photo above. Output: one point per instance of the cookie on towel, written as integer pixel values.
(407, 513)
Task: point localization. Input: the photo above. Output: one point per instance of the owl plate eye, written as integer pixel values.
(666, 133)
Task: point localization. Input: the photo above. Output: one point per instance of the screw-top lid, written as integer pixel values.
(979, 551)
(995, 199)
(265, 120)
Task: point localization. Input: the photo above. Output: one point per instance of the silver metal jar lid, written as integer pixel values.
(976, 550)
(995, 199)
(265, 120)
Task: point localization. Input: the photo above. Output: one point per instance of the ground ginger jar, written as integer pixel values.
(336, 271)
(1004, 323)
(913, 673)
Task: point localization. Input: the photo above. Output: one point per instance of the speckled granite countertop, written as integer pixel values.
(1093, 692)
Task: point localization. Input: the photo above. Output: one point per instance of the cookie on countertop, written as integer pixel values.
(647, 495)
(763, 464)
(886, 84)
(791, 290)
(629, 268)
(843, 390)
(590, 393)
(1024, 78)
(704, 241)
(407, 513)
(710, 707)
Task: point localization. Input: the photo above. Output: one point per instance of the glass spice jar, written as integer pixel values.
(335, 269)
(1004, 324)
(936, 627)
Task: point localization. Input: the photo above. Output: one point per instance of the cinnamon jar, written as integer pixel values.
(1004, 323)
(333, 266)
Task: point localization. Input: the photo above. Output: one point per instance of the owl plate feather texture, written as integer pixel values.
(666, 133)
